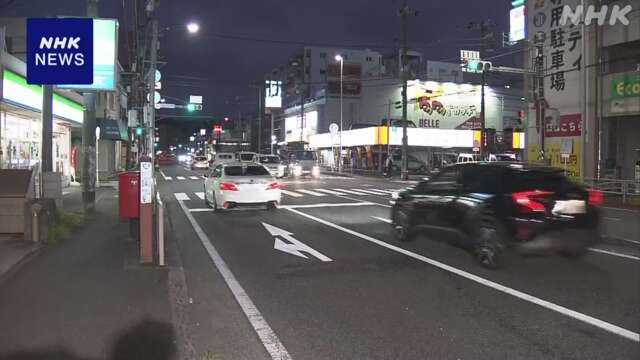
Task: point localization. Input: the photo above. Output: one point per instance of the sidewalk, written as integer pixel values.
(87, 297)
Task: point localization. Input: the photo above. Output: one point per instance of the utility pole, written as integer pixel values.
(484, 33)
(302, 96)
(404, 12)
(47, 128)
(541, 104)
(271, 136)
(89, 136)
(260, 116)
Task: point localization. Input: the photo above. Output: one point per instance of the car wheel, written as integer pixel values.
(403, 230)
(271, 205)
(490, 245)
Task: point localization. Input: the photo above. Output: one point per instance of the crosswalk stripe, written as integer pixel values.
(291, 193)
(329, 192)
(193, 177)
(200, 195)
(372, 192)
(180, 178)
(181, 196)
(385, 191)
(350, 192)
(310, 192)
(168, 178)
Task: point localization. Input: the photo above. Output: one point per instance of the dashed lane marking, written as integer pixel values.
(194, 177)
(180, 178)
(614, 253)
(181, 196)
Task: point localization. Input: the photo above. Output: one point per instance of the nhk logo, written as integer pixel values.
(60, 51)
(617, 14)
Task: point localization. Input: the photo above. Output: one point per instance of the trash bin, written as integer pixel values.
(129, 194)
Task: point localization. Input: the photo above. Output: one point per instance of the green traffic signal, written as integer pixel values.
(138, 131)
(191, 107)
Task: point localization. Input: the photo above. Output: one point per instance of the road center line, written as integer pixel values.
(382, 219)
(507, 290)
(268, 337)
(622, 239)
(310, 206)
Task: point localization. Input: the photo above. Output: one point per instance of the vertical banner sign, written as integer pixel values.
(146, 183)
(59, 51)
(563, 62)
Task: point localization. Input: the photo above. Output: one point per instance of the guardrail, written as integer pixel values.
(623, 188)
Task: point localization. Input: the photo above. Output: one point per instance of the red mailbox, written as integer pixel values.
(129, 194)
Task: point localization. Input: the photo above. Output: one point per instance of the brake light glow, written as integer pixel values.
(273, 185)
(595, 196)
(528, 201)
(228, 186)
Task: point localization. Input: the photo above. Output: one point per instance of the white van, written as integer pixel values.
(223, 158)
(465, 158)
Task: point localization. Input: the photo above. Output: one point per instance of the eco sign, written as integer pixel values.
(59, 51)
(625, 85)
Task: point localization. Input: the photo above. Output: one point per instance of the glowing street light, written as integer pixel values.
(193, 27)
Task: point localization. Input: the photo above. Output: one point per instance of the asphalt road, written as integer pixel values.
(323, 278)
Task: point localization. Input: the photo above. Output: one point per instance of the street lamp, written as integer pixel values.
(193, 28)
(341, 60)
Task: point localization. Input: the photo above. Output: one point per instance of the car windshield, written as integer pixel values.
(303, 155)
(201, 158)
(246, 157)
(224, 156)
(252, 170)
(270, 159)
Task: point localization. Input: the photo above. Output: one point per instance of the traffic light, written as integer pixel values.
(478, 66)
(138, 131)
(191, 107)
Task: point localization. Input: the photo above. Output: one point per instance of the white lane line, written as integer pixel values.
(321, 205)
(614, 253)
(372, 192)
(357, 200)
(201, 210)
(181, 196)
(382, 219)
(619, 209)
(329, 191)
(194, 177)
(164, 176)
(507, 290)
(386, 191)
(623, 239)
(268, 337)
(350, 192)
(291, 193)
(611, 218)
(180, 178)
(200, 195)
(309, 192)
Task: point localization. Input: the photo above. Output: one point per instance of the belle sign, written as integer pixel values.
(60, 51)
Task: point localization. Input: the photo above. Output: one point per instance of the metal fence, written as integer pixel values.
(626, 189)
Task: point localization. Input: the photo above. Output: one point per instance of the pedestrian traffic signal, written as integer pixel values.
(194, 107)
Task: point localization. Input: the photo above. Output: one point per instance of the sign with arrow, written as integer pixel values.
(292, 245)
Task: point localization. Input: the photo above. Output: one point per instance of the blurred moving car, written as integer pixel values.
(246, 156)
(222, 158)
(273, 163)
(239, 184)
(494, 205)
(303, 162)
(200, 163)
(466, 158)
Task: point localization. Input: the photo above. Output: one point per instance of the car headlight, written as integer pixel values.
(315, 171)
(297, 170)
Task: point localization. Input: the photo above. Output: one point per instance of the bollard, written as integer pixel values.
(35, 226)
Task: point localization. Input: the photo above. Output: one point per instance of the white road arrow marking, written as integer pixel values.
(294, 247)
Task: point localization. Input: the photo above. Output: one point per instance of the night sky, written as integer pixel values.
(220, 68)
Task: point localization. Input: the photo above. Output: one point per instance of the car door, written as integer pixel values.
(443, 191)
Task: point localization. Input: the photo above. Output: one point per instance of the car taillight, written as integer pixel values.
(595, 196)
(228, 186)
(273, 185)
(528, 201)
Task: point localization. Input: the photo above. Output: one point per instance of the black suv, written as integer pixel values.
(496, 205)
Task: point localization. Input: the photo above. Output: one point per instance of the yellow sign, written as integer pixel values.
(552, 148)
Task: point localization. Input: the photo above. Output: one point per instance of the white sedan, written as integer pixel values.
(239, 184)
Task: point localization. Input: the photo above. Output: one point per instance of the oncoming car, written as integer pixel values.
(246, 156)
(200, 163)
(239, 184)
(303, 162)
(273, 163)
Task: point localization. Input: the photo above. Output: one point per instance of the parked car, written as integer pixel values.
(238, 184)
(222, 158)
(246, 156)
(465, 158)
(413, 164)
(492, 206)
(273, 163)
(200, 163)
